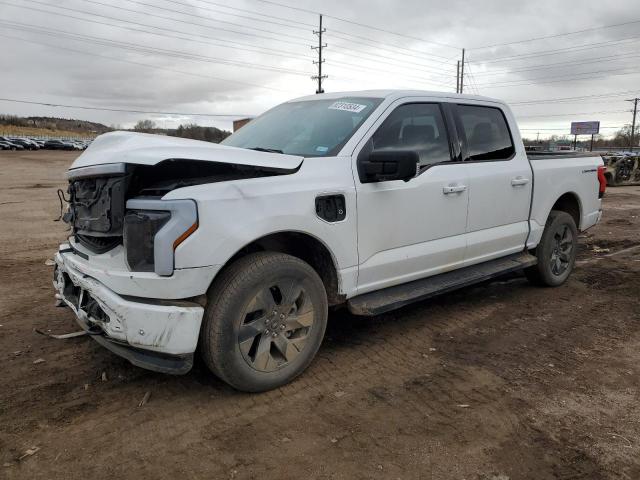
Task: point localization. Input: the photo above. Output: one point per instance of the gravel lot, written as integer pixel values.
(500, 381)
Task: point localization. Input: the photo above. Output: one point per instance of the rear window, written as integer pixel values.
(486, 132)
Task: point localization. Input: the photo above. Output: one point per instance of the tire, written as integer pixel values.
(264, 322)
(556, 251)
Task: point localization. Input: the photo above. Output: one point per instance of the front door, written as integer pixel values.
(410, 230)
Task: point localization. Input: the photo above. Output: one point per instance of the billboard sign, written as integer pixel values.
(585, 128)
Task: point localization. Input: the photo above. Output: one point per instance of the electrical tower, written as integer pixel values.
(633, 124)
(319, 77)
(462, 73)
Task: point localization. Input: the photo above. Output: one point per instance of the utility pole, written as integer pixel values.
(320, 77)
(462, 73)
(633, 124)
(458, 78)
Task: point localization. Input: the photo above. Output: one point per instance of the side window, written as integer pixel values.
(415, 126)
(487, 133)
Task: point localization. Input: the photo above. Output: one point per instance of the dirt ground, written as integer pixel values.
(500, 381)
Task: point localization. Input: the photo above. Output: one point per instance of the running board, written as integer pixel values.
(381, 301)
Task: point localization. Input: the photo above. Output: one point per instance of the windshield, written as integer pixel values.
(315, 128)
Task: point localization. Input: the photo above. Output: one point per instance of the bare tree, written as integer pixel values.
(145, 125)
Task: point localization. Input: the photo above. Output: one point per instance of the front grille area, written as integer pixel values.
(99, 244)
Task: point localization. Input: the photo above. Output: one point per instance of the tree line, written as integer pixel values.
(191, 130)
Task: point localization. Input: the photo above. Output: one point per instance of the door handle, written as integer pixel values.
(519, 181)
(453, 189)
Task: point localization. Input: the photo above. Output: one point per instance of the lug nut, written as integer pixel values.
(267, 331)
(274, 334)
(267, 321)
(282, 316)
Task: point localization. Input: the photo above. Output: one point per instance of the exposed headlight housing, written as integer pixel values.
(140, 228)
(153, 229)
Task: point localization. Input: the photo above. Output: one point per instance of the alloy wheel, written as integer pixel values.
(276, 325)
(561, 254)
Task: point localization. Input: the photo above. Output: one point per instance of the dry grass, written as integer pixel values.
(13, 131)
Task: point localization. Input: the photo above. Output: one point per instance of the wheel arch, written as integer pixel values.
(569, 203)
(304, 246)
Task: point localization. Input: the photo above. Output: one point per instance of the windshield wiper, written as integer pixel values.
(270, 150)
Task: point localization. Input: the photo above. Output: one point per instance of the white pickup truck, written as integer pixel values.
(371, 199)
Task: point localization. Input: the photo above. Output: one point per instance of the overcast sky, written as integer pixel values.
(251, 55)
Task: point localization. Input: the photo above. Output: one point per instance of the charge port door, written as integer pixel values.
(331, 208)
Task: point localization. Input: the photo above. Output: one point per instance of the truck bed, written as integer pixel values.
(559, 155)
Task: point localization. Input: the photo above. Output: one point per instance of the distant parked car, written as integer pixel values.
(27, 144)
(5, 146)
(58, 145)
(12, 145)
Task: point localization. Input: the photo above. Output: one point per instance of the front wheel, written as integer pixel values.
(556, 251)
(264, 322)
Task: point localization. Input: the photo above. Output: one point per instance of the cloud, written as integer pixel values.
(213, 59)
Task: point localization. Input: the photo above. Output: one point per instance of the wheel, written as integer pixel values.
(556, 251)
(13, 149)
(264, 322)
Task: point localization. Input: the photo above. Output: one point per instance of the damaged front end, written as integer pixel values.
(121, 204)
(117, 271)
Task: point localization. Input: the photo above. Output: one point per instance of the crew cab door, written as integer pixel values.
(411, 229)
(500, 182)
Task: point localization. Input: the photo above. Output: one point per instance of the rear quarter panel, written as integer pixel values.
(553, 177)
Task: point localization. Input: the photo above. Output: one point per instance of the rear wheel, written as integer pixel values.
(556, 251)
(264, 322)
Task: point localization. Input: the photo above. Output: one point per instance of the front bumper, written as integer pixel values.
(153, 334)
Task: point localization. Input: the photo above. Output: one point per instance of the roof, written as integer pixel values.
(395, 94)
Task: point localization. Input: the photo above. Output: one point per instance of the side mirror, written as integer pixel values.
(385, 165)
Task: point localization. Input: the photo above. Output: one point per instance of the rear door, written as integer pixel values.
(500, 183)
(409, 230)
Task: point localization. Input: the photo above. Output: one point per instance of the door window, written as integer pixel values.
(416, 126)
(487, 133)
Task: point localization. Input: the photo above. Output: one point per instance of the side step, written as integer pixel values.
(380, 301)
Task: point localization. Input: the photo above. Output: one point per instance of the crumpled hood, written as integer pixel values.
(147, 149)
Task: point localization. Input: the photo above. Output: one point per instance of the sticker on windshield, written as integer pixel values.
(322, 149)
(347, 107)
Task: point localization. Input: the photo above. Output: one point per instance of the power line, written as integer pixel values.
(140, 48)
(145, 14)
(352, 22)
(92, 54)
(264, 50)
(609, 58)
(108, 109)
(591, 29)
(582, 97)
(295, 37)
(440, 60)
(571, 114)
(365, 56)
(558, 51)
(299, 26)
(562, 78)
(208, 2)
(365, 69)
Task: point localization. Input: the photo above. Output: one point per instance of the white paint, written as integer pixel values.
(394, 232)
(146, 149)
(161, 328)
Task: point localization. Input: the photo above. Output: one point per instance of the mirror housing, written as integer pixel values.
(386, 165)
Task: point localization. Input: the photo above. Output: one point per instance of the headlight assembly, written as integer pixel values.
(153, 229)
